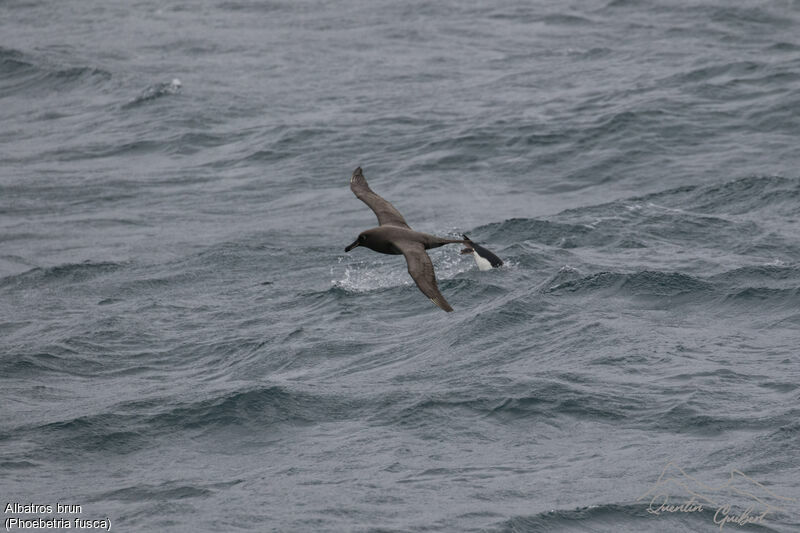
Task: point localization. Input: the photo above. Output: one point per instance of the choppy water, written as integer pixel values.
(185, 346)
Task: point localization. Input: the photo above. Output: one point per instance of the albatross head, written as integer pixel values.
(362, 239)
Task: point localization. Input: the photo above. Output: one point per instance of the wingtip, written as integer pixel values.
(356, 175)
(442, 305)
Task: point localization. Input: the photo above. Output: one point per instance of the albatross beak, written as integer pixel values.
(351, 246)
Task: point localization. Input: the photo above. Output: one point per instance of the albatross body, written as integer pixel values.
(394, 236)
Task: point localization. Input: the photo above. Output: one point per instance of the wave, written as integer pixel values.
(549, 232)
(66, 273)
(132, 425)
(162, 492)
(253, 6)
(773, 274)
(56, 360)
(751, 194)
(745, 286)
(645, 283)
(738, 16)
(12, 61)
(548, 400)
(688, 417)
(22, 74)
(607, 517)
(181, 144)
(752, 295)
(561, 19)
(155, 91)
(706, 216)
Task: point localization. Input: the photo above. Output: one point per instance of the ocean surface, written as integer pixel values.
(185, 346)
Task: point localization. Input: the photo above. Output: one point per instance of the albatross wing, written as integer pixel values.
(387, 214)
(482, 252)
(421, 269)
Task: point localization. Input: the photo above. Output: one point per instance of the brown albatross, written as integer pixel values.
(394, 236)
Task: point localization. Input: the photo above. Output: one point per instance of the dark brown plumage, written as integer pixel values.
(394, 236)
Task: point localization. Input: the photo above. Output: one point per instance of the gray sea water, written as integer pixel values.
(185, 346)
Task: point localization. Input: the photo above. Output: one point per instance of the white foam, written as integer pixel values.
(369, 275)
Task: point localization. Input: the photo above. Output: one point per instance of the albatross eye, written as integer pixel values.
(362, 238)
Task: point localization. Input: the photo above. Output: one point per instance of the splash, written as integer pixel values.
(157, 91)
(365, 276)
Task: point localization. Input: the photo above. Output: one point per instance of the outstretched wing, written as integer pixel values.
(386, 212)
(421, 269)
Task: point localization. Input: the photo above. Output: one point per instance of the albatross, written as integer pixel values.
(394, 236)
